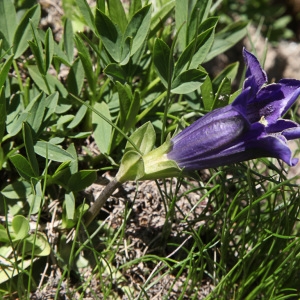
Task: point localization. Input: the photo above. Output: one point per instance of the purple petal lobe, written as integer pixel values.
(256, 77)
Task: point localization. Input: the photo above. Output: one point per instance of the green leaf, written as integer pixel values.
(28, 141)
(115, 73)
(207, 94)
(5, 69)
(86, 13)
(35, 199)
(17, 190)
(78, 117)
(75, 77)
(2, 113)
(138, 28)
(158, 20)
(86, 62)
(194, 54)
(70, 206)
(110, 35)
(144, 138)
(21, 227)
(198, 16)
(40, 244)
(227, 38)
(181, 19)
(223, 94)
(161, 57)
(23, 166)
(135, 5)
(52, 152)
(229, 72)
(53, 83)
(49, 49)
(102, 130)
(188, 81)
(68, 40)
(117, 13)
(81, 180)
(125, 99)
(133, 111)
(8, 21)
(36, 110)
(23, 32)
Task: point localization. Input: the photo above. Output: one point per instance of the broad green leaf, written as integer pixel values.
(158, 20)
(144, 138)
(38, 56)
(229, 72)
(181, 19)
(223, 94)
(21, 227)
(117, 13)
(75, 77)
(28, 141)
(78, 117)
(36, 198)
(207, 94)
(86, 62)
(227, 38)
(138, 28)
(133, 111)
(8, 21)
(52, 152)
(70, 206)
(188, 81)
(115, 73)
(49, 49)
(5, 69)
(194, 54)
(125, 99)
(74, 163)
(198, 16)
(81, 180)
(86, 13)
(135, 5)
(2, 113)
(7, 274)
(17, 190)
(23, 166)
(68, 40)
(23, 32)
(36, 110)
(161, 58)
(40, 244)
(52, 85)
(110, 35)
(102, 130)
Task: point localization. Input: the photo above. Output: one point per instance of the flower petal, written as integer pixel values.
(256, 77)
(272, 101)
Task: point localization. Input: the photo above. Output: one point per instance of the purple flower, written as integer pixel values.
(250, 127)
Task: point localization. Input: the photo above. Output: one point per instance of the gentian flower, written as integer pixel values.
(248, 128)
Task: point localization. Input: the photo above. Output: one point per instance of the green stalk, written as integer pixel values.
(94, 210)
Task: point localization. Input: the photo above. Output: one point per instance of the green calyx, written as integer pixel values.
(147, 164)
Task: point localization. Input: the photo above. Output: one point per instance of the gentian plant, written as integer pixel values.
(248, 128)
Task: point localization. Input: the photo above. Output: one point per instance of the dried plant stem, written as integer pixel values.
(100, 201)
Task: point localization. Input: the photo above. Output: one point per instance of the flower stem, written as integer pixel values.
(94, 210)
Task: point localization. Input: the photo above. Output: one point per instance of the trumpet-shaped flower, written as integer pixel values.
(250, 127)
